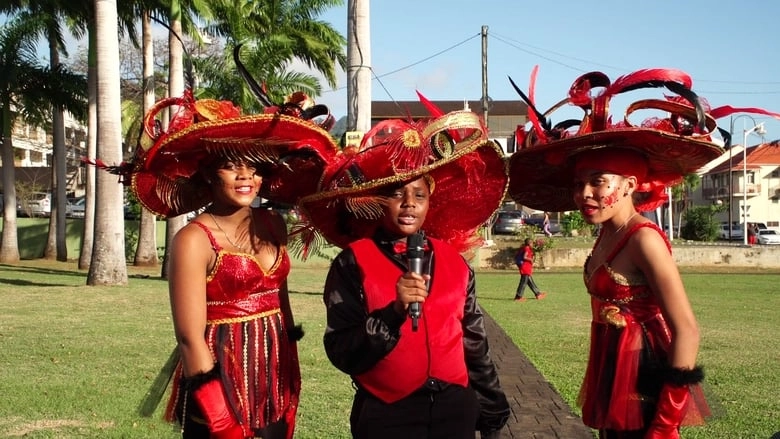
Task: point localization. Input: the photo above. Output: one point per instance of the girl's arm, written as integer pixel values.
(654, 259)
(190, 257)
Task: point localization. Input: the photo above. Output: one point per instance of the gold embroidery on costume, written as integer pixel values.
(621, 279)
(611, 314)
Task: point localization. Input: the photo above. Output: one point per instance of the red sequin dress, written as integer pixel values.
(628, 335)
(246, 334)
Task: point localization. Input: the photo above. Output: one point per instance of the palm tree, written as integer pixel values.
(680, 194)
(53, 13)
(84, 11)
(33, 91)
(276, 33)
(175, 88)
(146, 251)
(108, 254)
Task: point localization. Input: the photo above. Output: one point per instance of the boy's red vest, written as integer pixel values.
(436, 349)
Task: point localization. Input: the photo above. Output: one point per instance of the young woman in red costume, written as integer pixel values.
(237, 374)
(415, 377)
(642, 380)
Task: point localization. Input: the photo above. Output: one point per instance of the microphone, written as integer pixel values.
(414, 257)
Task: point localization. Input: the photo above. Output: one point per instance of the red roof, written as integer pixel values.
(765, 154)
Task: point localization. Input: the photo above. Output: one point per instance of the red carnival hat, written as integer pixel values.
(285, 142)
(466, 172)
(542, 170)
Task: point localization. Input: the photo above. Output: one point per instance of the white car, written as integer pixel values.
(768, 237)
(736, 231)
(75, 208)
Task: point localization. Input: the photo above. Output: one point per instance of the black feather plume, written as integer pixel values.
(256, 89)
(546, 123)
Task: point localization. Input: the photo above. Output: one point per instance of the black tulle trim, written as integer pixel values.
(192, 383)
(295, 333)
(681, 377)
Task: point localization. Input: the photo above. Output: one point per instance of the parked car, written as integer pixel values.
(35, 204)
(736, 231)
(761, 226)
(508, 222)
(768, 237)
(75, 208)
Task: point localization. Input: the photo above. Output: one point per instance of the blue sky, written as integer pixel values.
(729, 48)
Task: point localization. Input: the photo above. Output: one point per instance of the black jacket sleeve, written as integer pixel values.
(483, 377)
(355, 340)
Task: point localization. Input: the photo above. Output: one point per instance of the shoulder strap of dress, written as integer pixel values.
(633, 230)
(205, 228)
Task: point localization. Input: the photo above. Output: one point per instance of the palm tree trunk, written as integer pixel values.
(9, 242)
(146, 252)
(87, 239)
(108, 265)
(359, 70)
(175, 88)
(56, 246)
(61, 174)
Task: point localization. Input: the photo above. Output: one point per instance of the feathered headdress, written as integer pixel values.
(288, 142)
(675, 144)
(465, 170)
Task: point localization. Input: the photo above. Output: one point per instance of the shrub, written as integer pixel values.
(574, 224)
(699, 224)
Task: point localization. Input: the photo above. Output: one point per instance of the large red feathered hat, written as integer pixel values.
(288, 143)
(465, 170)
(679, 143)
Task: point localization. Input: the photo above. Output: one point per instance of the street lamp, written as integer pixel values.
(758, 129)
(731, 171)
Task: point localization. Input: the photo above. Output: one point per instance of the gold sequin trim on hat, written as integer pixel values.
(411, 139)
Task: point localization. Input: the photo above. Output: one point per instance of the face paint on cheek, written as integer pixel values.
(610, 199)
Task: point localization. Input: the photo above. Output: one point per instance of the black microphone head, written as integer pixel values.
(414, 246)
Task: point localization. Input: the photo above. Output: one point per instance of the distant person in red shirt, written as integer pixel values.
(752, 230)
(524, 259)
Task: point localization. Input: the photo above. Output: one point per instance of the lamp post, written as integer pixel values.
(731, 171)
(758, 129)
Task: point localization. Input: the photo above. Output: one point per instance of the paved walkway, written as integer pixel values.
(537, 410)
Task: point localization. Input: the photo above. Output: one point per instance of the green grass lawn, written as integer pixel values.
(77, 361)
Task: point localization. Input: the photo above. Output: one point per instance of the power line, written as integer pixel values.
(515, 44)
(408, 66)
(536, 52)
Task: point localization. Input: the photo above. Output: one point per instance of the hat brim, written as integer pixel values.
(541, 177)
(294, 153)
(468, 190)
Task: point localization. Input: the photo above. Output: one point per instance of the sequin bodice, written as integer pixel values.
(238, 284)
(609, 289)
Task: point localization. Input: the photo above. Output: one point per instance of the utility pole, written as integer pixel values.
(485, 107)
(485, 97)
(358, 67)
